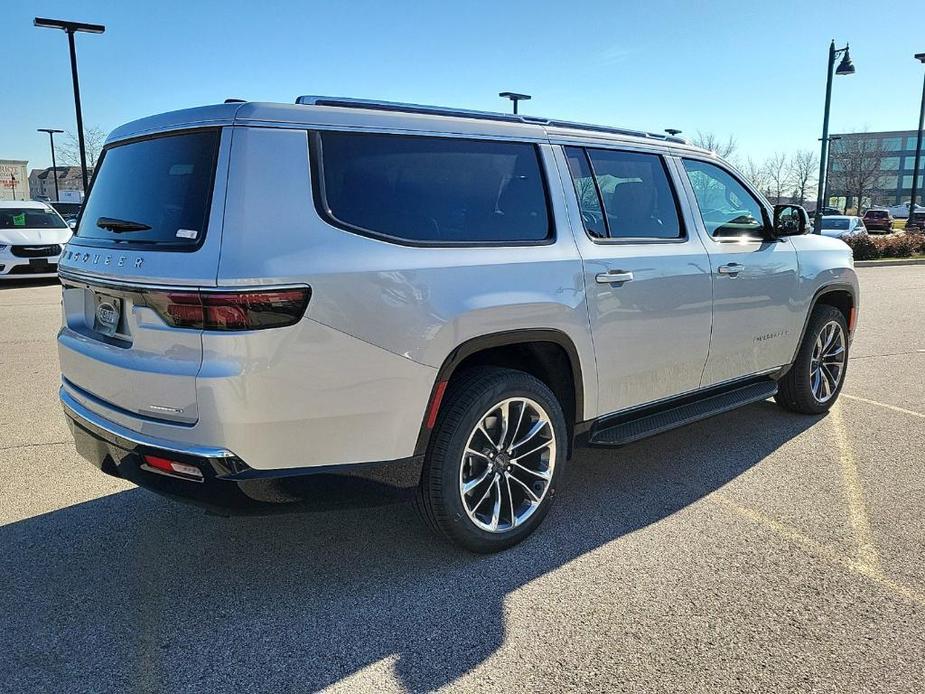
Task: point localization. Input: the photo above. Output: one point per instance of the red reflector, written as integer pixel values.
(171, 466)
(435, 404)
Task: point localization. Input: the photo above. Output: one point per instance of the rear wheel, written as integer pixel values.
(495, 459)
(816, 377)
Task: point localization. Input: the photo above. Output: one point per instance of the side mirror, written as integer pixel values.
(72, 223)
(790, 220)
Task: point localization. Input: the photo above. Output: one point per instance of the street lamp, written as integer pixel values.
(54, 167)
(71, 28)
(825, 192)
(13, 184)
(845, 67)
(918, 143)
(515, 97)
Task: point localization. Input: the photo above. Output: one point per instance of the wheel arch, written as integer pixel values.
(549, 354)
(841, 296)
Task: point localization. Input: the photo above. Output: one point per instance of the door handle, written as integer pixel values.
(612, 277)
(730, 269)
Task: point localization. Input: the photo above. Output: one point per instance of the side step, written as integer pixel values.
(639, 425)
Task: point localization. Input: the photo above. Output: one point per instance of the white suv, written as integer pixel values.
(263, 298)
(32, 236)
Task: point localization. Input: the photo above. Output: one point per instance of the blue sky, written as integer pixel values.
(755, 71)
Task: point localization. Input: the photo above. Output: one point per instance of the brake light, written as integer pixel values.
(243, 310)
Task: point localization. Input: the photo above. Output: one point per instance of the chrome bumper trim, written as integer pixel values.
(128, 439)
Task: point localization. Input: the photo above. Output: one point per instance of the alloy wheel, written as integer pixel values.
(828, 361)
(507, 465)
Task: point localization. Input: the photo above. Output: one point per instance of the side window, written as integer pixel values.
(726, 207)
(433, 189)
(624, 194)
(589, 200)
(638, 198)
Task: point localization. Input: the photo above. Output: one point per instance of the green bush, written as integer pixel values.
(866, 247)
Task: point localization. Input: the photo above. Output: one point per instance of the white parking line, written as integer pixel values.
(883, 404)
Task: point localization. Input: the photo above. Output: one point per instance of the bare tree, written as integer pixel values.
(803, 166)
(67, 150)
(777, 175)
(711, 142)
(855, 168)
(756, 174)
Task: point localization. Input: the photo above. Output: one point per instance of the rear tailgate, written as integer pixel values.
(152, 224)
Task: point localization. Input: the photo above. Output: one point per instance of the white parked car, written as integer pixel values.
(32, 235)
(902, 211)
(842, 225)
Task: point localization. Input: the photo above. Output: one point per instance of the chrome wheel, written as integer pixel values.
(828, 361)
(507, 465)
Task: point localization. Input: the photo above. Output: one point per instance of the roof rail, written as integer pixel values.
(347, 102)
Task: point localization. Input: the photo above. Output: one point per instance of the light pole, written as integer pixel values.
(54, 167)
(515, 97)
(13, 184)
(918, 144)
(845, 67)
(71, 28)
(825, 190)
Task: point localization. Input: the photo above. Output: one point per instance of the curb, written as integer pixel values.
(889, 262)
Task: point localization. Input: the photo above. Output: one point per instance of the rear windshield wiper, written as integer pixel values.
(120, 225)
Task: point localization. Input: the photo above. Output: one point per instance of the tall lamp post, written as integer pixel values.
(13, 185)
(845, 67)
(54, 167)
(71, 28)
(825, 190)
(918, 143)
(515, 97)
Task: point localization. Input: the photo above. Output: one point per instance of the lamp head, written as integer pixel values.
(845, 67)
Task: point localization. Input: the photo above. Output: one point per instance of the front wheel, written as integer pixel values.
(495, 459)
(816, 377)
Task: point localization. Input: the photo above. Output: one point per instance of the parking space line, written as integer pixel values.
(818, 550)
(883, 404)
(857, 508)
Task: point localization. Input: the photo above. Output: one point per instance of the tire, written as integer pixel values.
(475, 399)
(801, 390)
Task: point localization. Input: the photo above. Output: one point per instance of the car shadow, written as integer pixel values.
(29, 282)
(132, 591)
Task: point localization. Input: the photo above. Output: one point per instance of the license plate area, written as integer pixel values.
(107, 314)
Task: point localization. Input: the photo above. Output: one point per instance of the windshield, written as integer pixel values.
(829, 223)
(154, 191)
(30, 218)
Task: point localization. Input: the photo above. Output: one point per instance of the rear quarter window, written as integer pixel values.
(154, 191)
(432, 190)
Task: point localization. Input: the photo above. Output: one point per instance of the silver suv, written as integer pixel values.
(266, 298)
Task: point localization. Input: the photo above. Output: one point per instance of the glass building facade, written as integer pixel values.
(895, 153)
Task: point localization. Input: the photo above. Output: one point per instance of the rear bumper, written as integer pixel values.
(227, 484)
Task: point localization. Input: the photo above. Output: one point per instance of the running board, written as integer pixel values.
(649, 422)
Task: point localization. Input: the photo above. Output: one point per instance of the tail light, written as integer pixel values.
(222, 310)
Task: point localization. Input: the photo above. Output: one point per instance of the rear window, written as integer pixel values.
(433, 190)
(30, 218)
(154, 191)
(876, 214)
(66, 208)
(838, 224)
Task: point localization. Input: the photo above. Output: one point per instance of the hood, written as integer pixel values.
(34, 237)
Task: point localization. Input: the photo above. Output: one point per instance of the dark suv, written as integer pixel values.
(916, 221)
(878, 220)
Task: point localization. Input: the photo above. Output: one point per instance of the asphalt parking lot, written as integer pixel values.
(757, 551)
